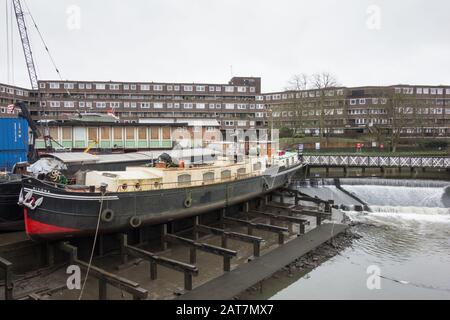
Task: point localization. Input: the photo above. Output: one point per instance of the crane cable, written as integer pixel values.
(45, 45)
(8, 68)
(11, 27)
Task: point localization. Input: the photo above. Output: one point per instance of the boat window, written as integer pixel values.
(54, 133)
(208, 177)
(129, 133)
(118, 133)
(142, 133)
(226, 174)
(67, 133)
(257, 166)
(241, 171)
(92, 134)
(105, 133)
(166, 133)
(155, 133)
(184, 179)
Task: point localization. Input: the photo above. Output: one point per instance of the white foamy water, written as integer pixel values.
(406, 234)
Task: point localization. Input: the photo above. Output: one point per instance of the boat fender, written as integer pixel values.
(137, 187)
(188, 202)
(265, 186)
(107, 215)
(135, 221)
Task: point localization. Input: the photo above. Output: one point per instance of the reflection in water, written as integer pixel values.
(406, 234)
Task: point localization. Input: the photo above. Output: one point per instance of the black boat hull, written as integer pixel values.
(64, 214)
(11, 214)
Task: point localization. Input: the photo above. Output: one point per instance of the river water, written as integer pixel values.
(404, 251)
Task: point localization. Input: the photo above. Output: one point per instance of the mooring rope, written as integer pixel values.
(93, 245)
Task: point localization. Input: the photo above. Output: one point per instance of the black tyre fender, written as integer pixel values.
(135, 221)
(188, 202)
(107, 215)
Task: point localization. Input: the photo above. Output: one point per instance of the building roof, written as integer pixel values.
(71, 158)
(183, 121)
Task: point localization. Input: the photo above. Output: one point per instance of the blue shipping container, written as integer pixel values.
(13, 142)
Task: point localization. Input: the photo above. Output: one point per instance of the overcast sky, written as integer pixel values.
(378, 42)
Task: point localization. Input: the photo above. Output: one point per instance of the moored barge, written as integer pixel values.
(121, 200)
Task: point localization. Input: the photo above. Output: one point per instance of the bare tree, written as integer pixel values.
(322, 82)
(298, 82)
(301, 82)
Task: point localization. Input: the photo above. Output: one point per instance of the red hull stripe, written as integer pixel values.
(36, 227)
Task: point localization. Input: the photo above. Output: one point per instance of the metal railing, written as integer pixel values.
(377, 161)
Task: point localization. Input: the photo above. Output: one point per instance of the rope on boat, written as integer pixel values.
(93, 245)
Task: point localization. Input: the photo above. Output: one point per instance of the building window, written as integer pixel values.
(145, 105)
(42, 85)
(54, 85)
(158, 105)
(200, 105)
(133, 87)
(54, 104)
(211, 88)
(113, 86)
(229, 89)
(176, 88)
(242, 89)
(100, 105)
(169, 88)
(188, 105)
(229, 106)
(145, 87)
(362, 101)
(200, 88)
(352, 102)
(158, 87)
(114, 105)
(100, 86)
(252, 89)
(188, 88)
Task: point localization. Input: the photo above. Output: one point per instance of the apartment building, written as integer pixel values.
(234, 105)
(412, 110)
(10, 94)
